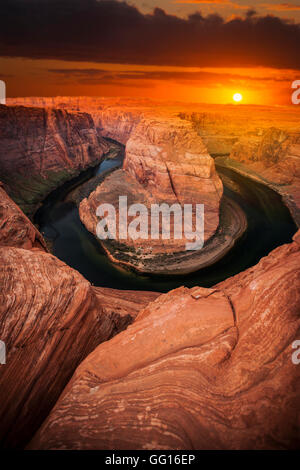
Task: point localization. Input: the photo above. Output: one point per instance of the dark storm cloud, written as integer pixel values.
(108, 76)
(113, 31)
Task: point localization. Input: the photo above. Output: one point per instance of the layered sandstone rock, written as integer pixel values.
(15, 228)
(199, 369)
(42, 148)
(273, 157)
(50, 319)
(219, 126)
(165, 162)
(123, 305)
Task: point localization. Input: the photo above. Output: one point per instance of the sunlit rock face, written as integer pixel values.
(49, 321)
(273, 157)
(165, 162)
(275, 152)
(199, 369)
(169, 159)
(42, 148)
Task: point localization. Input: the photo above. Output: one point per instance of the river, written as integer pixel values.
(269, 225)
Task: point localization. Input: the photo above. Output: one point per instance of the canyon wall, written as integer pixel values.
(42, 148)
(198, 369)
(51, 318)
(273, 158)
(165, 162)
(15, 228)
(219, 126)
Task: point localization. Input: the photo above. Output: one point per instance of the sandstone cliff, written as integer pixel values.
(242, 130)
(219, 126)
(165, 161)
(50, 319)
(272, 158)
(42, 148)
(15, 228)
(199, 369)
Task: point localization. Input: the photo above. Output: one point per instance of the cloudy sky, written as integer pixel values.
(189, 50)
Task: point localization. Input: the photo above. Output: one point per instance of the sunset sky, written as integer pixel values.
(185, 50)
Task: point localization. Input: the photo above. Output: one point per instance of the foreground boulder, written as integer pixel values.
(42, 148)
(199, 369)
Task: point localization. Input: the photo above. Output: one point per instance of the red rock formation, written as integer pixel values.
(15, 228)
(199, 369)
(273, 157)
(50, 319)
(168, 158)
(123, 306)
(166, 161)
(223, 129)
(219, 126)
(42, 148)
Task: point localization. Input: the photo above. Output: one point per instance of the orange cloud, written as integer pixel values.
(203, 1)
(280, 6)
(214, 2)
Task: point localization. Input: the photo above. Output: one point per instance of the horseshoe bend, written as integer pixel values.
(140, 343)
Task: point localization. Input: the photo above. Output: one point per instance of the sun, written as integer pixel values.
(237, 97)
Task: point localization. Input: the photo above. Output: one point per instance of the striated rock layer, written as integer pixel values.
(165, 162)
(219, 126)
(42, 148)
(272, 158)
(246, 132)
(15, 228)
(199, 369)
(51, 318)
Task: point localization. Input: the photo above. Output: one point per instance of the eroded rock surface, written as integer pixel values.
(219, 126)
(165, 162)
(273, 158)
(42, 148)
(51, 318)
(199, 369)
(15, 228)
